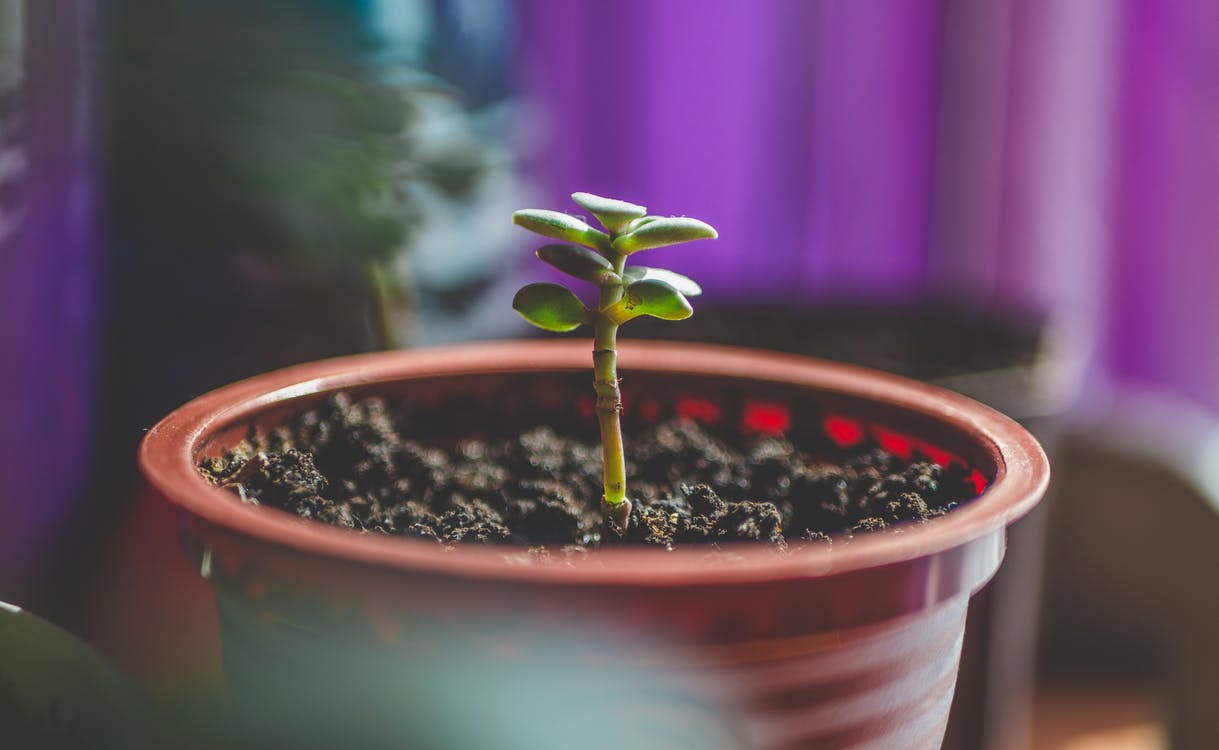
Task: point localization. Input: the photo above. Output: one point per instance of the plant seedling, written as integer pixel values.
(626, 292)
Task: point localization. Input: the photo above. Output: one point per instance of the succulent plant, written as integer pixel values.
(626, 292)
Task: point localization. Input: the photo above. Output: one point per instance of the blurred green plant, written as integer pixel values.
(254, 128)
(57, 692)
(625, 292)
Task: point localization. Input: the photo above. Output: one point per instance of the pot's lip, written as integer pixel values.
(1022, 471)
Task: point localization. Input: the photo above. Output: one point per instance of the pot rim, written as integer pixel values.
(167, 460)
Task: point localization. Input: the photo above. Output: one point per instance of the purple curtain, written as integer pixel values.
(1047, 155)
(1164, 295)
(47, 285)
(800, 128)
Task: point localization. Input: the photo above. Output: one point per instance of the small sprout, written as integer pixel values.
(625, 293)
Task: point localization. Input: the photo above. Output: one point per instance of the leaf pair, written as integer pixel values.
(587, 265)
(554, 307)
(632, 229)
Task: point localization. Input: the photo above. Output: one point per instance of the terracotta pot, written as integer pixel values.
(847, 645)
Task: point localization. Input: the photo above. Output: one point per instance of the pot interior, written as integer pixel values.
(443, 409)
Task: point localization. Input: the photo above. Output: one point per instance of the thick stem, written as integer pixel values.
(614, 504)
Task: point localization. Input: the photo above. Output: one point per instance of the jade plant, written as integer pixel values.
(625, 292)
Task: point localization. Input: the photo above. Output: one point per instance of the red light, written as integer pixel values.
(978, 480)
(936, 454)
(845, 432)
(894, 442)
(767, 418)
(701, 409)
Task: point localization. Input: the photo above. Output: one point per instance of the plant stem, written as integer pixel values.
(614, 504)
(382, 318)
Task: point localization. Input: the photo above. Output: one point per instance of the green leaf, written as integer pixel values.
(664, 231)
(57, 691)
(550, 306)
(650, 297)
(684, 284)
(613, 214)
(579, 262)
(561, 226)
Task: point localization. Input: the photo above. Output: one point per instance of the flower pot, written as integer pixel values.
(1023, 364)
(845, 645)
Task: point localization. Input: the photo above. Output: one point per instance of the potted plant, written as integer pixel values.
(850, 641)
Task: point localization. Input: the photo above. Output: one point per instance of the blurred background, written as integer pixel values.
(1016, 199)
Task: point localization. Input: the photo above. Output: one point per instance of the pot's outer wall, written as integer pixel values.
(844, 645)
(543, 673)
(1012, 463)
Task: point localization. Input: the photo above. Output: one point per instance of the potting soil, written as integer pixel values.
(349, 463)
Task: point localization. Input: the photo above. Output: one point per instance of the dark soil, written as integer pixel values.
(348, 464)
